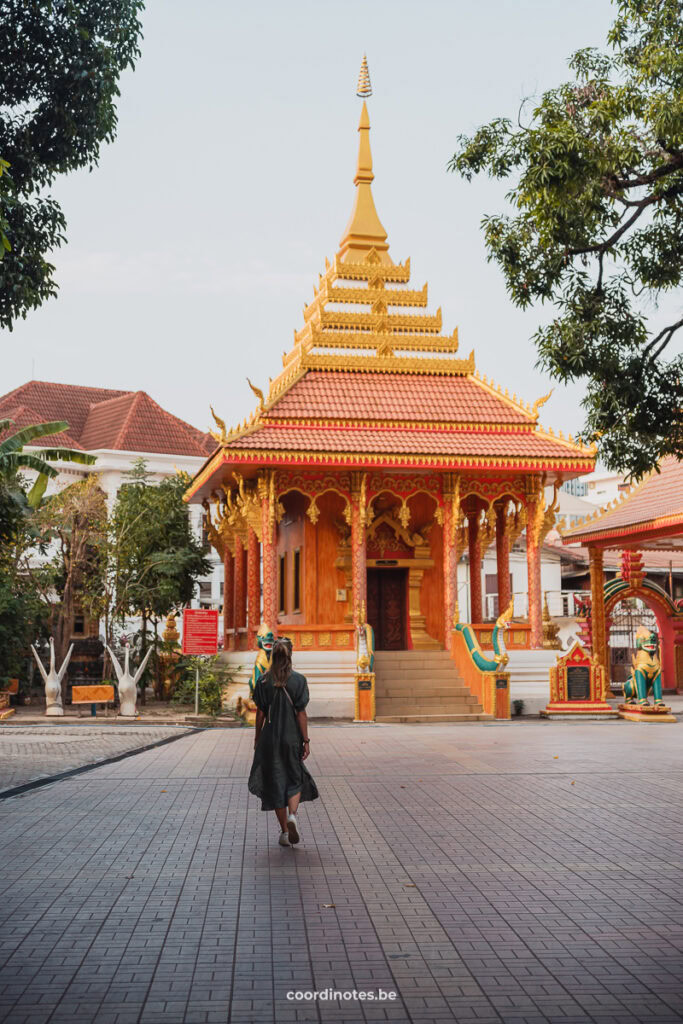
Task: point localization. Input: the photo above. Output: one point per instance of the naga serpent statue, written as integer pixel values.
(264, 641)
(646, 674)
(500, 656)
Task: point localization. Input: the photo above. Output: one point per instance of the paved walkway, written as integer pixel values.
(28, 753)
(483, 873)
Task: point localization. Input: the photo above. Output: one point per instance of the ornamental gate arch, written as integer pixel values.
(668, 618)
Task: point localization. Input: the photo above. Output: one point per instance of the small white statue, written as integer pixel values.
(53, 680)
(128, 684)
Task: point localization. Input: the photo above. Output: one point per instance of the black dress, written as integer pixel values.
(277, 772)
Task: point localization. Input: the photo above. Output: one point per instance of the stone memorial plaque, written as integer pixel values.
(578, 682)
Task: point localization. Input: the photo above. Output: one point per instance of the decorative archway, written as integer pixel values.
(669, 620)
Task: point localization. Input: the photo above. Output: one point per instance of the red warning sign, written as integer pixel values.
(200, 631)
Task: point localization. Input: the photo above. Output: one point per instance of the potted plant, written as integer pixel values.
(518, 706)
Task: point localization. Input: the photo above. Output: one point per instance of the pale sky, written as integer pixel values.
(195, 244)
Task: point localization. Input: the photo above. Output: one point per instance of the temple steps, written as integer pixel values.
(427, 719)
(422, 686)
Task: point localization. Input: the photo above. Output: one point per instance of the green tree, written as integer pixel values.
(598, 228)
(61, 62)
(155, 558)
(13, 458)
(25, 581)
(74, 522)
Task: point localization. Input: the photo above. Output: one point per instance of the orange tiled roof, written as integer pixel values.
(409, 440)
(379, 396)
(103, 418)
(655, 501)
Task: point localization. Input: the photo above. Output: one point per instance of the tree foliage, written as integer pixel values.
(598, 228)
(157, 559)
(61, 62)
(13, 457)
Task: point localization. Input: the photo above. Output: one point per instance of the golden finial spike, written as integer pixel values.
(364, 232)
(364, 88)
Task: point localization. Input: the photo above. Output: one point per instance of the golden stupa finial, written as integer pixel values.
(364, 232)
(364, 87)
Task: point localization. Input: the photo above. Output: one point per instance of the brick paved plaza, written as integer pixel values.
(34, 752)
(505, 872)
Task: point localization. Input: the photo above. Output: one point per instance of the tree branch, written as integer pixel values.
(647, 179)
(609, 242)
(665, 337)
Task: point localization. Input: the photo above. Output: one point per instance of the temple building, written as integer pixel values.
(378, 455)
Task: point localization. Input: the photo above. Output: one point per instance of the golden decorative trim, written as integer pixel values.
(449, 426)
(342, 639)
(304, 457)
(390, 364)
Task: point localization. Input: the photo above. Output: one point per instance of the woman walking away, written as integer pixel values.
(281, 744)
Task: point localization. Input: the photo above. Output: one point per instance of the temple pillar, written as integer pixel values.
(228, 597)
(253, 586)
(240, 609)
(451, 513)
(474, 538)
(535, 509)
(269, 550)
(359, 574)
(598, 624)
(503, 558)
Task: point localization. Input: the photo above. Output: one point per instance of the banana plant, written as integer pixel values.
(13, 458)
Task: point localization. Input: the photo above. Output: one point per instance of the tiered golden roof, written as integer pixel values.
(391, 330)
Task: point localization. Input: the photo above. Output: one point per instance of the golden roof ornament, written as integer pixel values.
(364, 89)
(258, 393)
(222, 437)
(539, 402)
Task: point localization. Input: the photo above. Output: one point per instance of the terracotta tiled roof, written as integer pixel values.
(102, 418)
(659, 496)
(23, 416)
(381, 396)
(409, 441)
(652, 560)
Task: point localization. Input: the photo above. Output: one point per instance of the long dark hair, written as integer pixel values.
(281, 662)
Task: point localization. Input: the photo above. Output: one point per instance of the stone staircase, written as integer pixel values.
(422, 686)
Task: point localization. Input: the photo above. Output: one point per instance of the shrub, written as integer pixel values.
(213, 677)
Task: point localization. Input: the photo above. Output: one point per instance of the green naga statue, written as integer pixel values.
(500, 655)
(646, 674)
(264, 641)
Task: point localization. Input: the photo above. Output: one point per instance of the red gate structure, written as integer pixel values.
(649, 517)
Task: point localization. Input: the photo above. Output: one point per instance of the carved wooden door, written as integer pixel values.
(387, 598)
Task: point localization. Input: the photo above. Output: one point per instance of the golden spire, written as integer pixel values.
(364, 231)
(364, 89)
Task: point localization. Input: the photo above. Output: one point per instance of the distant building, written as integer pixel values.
(603, 487)
(117, 427)
(577, 487)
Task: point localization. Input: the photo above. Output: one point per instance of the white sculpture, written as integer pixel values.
(128, 684)
(53, 680)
